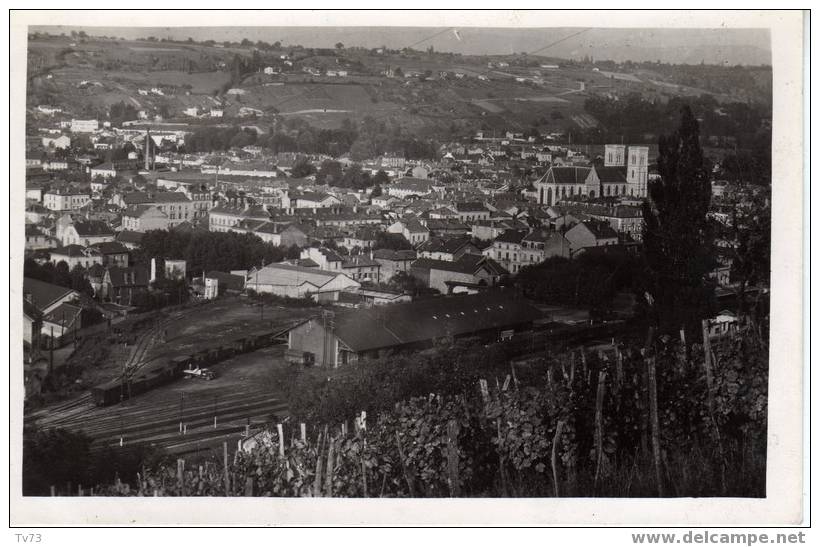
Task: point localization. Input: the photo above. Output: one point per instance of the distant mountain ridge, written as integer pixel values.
(679, 46)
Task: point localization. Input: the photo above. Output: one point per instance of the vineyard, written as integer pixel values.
(661, 420)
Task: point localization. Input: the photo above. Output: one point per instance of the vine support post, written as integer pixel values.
(501, 473)
(452, 459)
(599, 426)
(226, 477)
(559, 429)
(181, 476)
(329, 471)
(654, 422)
(707, 360)
(317, 481)
(404, 469)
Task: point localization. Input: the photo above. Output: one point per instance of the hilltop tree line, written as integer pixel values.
(636, 119)
(367, 140)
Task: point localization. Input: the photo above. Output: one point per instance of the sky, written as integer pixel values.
(691, 46)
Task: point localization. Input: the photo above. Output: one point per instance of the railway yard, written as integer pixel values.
(185, 416)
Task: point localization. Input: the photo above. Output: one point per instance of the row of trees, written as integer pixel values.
(59, 274)
(206, 251)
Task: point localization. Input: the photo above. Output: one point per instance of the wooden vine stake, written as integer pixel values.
(280, 434)
(452, 459)
(584, 362)
(485, 393)
(361, 429)
(303, 433)
(226, 476)
(707, 360)
(408, 479)
(329, 470)
(599, 426)
(180, 477)
(317, 481)
(654, 423)
(559, 429)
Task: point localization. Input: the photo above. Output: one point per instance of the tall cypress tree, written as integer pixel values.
(677, 236)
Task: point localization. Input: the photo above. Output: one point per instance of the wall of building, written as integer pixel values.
(312, 337)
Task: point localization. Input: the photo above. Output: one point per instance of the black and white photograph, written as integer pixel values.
(378, 262)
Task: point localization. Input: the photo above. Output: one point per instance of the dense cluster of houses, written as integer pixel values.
(482, 211)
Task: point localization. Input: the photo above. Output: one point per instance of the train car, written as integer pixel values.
(108, 393)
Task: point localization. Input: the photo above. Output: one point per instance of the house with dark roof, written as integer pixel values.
(144, 217)
(393, 262)
(87, 232)
(471, 211)
(225, 216)
(312, 200)
(121, 285)
(412, 230)
(448, 249)
(46, 296)
(337, 339)
(488, 230)
(62, 321)
(471, 272)
(227, 282)
(113, 253)
(129, 239)
(36, 239)
(506, 249)
(446, 228)
(363, 237)
(299, 282)
(32, 325)
(592, 233)
(76, 255)
(409, 186)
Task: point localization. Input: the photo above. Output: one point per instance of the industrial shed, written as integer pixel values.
(341, 338)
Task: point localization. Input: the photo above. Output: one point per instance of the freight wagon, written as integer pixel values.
(151, 376)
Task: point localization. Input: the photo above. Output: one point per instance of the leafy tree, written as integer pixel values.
(396, 242)
(677, 236)
(53, 458)
(302, 168)
(330, 172)
(62, 275)
(747, 239)
(79, 281)
(380, 178)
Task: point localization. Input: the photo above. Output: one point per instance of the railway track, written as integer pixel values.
(157, 423)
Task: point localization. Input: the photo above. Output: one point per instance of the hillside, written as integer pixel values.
(433, 93)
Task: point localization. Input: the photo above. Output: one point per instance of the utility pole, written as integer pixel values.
(51, 353)
(261, 302)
